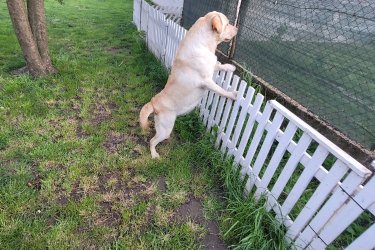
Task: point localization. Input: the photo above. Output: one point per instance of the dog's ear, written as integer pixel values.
(216, 24)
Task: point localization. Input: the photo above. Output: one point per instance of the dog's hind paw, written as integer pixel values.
(155, 155)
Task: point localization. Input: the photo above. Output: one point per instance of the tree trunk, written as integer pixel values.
(25, 37)
(37, 20)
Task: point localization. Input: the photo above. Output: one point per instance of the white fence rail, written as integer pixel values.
(172, 9)
(313, 187)
(172, 13)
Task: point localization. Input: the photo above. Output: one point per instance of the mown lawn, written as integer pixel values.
(76, 171)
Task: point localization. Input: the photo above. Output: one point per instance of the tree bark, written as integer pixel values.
(37, 20)
(25, 37)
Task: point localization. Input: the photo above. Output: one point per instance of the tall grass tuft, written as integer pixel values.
(248, 225)
(244, 223)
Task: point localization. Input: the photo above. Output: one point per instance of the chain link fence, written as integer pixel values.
(319, 53)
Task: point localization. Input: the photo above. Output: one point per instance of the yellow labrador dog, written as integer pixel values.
(191, 75)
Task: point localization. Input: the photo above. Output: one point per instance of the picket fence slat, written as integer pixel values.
(150, 34)
(262, 122)
(211, 116)
(271, 129)
(215, 99)
(267, 144)
(220, 109)
(137, 13)
(304, 179)
(325, 188)
(162, 32)
(261, 140)
(204, 98)
(338, 198)
(348, 213)
(253, 111)
(320, 139)
(202, 105)
(233, 116)
(245, 105)
(281, 148)
(228, 107)
(144, 15)
(168, 52)
(290, 166)
(210, 99)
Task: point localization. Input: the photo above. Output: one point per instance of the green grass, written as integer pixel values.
(245, 223)
(76, 171)
(75, 168)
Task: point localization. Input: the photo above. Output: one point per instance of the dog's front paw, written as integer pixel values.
(234, 95)
(230, 67)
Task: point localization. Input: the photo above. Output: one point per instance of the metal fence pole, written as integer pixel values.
(232, 46)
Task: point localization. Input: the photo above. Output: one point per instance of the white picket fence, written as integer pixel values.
(271, 145)
(172, 9)
(173, 13)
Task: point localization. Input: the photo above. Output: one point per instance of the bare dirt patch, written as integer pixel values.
(102, 111)
(111, 180)
(112, 106)
(76, 104)
(19, 71)
(149, 214)
(130, 192)
(56, 129)
(108, 216)
(162, 185)
(114, 50)
(101, 114)
(117, 189)
(77, 192)
(212, 239)
(140, 140)
(113, 141)
(36, 181)
(53, 219)
(54, 123)
(62, 200)
(193, 210)
(50, 165)
(80, 133)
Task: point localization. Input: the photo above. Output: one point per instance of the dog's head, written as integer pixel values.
(221, 27)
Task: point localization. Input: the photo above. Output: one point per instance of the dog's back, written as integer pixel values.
(191, 74)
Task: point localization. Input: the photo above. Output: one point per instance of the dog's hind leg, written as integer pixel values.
(164, 123)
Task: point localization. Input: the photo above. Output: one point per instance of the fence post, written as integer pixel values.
(140, 15)
(232, 46)
(166, 41)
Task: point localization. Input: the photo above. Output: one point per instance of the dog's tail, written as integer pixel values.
(146, 111)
